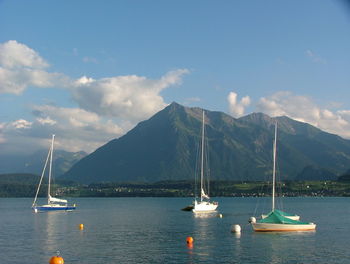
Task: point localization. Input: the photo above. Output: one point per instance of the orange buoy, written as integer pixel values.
(56, 260)
(189, 240)
(81, 226)
(190, 245)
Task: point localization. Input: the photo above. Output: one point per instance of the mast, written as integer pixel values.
(202, 157)
(274, 168)
(50, 168)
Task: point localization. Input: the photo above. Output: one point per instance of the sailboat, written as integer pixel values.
(277, 220)
(204, 205)
(53, 203)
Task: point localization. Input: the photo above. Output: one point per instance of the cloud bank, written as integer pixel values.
(128, 97)
(106, 108)
(302, 108)
(237, 107)
(21, 67)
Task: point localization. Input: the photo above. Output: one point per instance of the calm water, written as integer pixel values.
(154, 230)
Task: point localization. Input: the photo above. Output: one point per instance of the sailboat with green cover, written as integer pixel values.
(276, 220)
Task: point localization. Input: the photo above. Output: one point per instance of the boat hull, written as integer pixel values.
(269, 227)
(45, 208)
(204, 207)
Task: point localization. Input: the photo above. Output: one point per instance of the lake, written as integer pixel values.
(154, 230)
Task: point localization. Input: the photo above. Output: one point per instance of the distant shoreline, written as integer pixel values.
(181, 189)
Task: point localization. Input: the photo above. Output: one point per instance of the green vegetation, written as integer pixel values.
(218, 188)
(25, 185)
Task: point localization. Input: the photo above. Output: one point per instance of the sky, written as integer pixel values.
(89, 71)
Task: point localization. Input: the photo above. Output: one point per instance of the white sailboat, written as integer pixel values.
(204, 205)
(53, 203)
(276, 220)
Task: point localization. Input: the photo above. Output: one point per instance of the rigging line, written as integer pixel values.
(207, 162)
(42, 176)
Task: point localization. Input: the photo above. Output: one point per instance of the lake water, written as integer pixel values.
(154, 230)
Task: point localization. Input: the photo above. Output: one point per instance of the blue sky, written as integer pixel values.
(88, 71)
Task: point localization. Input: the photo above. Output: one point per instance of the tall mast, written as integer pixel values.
(50, 168)
(202, 157)
(274, 168)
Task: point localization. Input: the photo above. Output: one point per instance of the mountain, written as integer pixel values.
(62, 162)
(164, 147)
(345, 177)
(312, 173)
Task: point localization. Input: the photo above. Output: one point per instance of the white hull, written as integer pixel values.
(293, 217)
(268, 227)
(204, 207)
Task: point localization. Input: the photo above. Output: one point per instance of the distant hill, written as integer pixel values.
(18, 185)
(164, 147)
(33, 163)
(26, 184)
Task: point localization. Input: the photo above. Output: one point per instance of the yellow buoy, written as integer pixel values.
(81, 226)
(189, 240)
(56, 260)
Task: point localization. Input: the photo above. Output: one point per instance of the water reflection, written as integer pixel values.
(290, 243)
(51, 230)
(205, 231)
(237, 235)
(52, 227)
(205, 215)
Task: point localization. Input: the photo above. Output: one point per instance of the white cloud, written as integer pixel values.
(46, 121)
(236, 107)
(17, 55)
(76, 130)
(83, 80)
(108, 107)
(285, 103)
(127, 97)
(303, 109)
(21, 124)
(21, 67)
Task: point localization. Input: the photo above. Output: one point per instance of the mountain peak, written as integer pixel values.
(259, 118)
(164, 147)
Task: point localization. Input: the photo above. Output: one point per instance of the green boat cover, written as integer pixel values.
(278, 217)
(283, 213)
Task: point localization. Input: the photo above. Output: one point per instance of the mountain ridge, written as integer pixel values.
(164, 148)
(33, 163)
